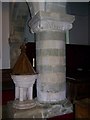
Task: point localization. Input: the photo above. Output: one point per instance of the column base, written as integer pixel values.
(27, 104)
(48, 97)
(62, 108)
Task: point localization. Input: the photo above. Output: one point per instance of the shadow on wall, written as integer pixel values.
(77, 8)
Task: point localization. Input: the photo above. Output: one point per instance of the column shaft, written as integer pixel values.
(21, 94)
(25, 93)
(50, 55)
(30, 90)
(16, 92)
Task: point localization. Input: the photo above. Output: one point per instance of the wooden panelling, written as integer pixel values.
(82, 109)
(77, 89)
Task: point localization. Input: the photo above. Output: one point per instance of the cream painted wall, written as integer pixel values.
(5, 36)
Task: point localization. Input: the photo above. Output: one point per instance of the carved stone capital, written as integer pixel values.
(47, 21)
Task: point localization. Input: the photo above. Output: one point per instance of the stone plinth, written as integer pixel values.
(41, 110)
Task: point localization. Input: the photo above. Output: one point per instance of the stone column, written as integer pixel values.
(16, 92)
(50, 28)
(30, 92)
(50, 54)
(21, 94)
